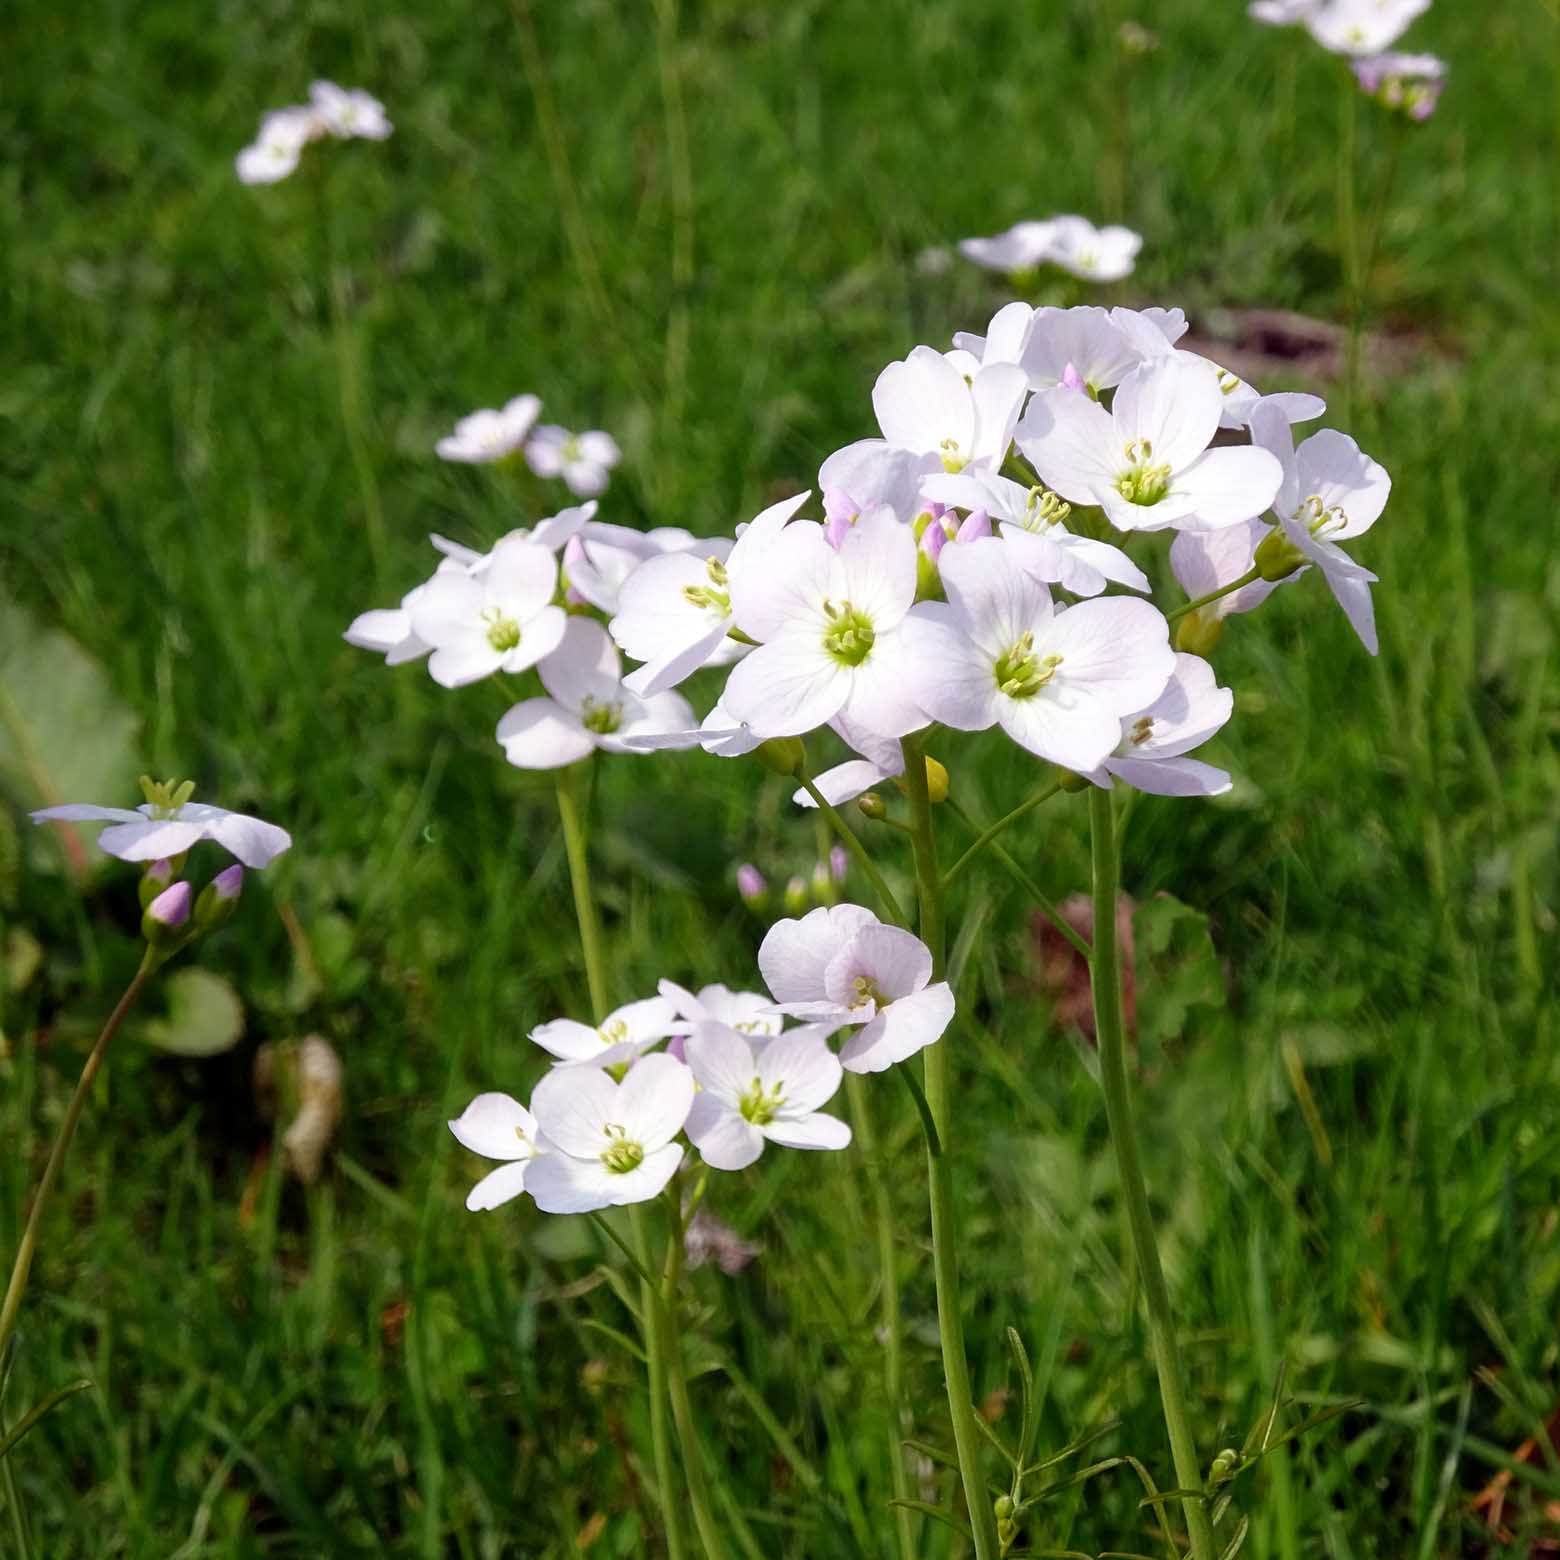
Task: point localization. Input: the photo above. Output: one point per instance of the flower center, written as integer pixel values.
(1020, 673)
(614, 1033)
(866, 990)
(1228, 382)
(1319, 519)
(759, 1105)
(953, 459)
(1044, 509)
(1143, 482)
(602, 718)
(714, 597)
(622, 1153)
(571, 449)
(1142, 730)
(850, 635)
(166, 798)
(503, 633)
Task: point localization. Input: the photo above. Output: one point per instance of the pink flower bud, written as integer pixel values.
(229, 882)
(933, 539)
(839, 515)
(839, 863)
(674, 1047)
(171, 908)
(751, 885)
(1072, 379)
(974, 526)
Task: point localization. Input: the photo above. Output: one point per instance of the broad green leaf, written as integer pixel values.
(204, 1016)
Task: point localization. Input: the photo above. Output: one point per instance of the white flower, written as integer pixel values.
(748, 1012)
(276, 150)
(674, 611)
(999, 653)
(749, 1096)
(925, 405)
(1283, 13)
(1032, 523)
(1086, 341)
(1410, 82)
(1331, 492)
(388, 631)
(348, 112)
(717, 733)
(608, 1143)
(552, 533)
(1362, 26)
(501, 619)
(881, 759)
(871, 474)
(1096, 254)
(1006, 337)
(1146, 462)
(1150, 755)
(589, 707)
(1022, 247)
(497, 1127)
(168, 823)
(485, 436)
(582, 460)
(620, 1037)
(1206, 561)
(828, 623)
(839, 966)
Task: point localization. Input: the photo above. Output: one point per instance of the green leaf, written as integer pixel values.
(936, 1454)
(38, 1413)
(204, 1017)
(938, 1514)
(621, 1339)
(1233, 1548)
(1176, 965)
(1026, 1382)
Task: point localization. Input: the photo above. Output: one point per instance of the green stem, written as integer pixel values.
(682, 1407)
(1044, 794)
(1250, 577)
(853, 844)
(1110, 1032)
(1349, 235)
(570, 815)
(888, 1271)
(51, 1171)
(939, 1173)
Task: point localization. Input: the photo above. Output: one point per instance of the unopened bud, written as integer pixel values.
(1277, 557)
(796, 895)
(1196, 634)
(975, 525)
(781, 755)
(165, 923)
(1003, 1507)
(154, 880)
(219, 898)
(936, 781)
(823, 884)
(839, 863)
(1071, 782)
(751, 886)
(872, 806)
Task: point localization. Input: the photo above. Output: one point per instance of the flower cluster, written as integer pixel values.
(1072, 244)
(483, 438)
(342, 112)
(1364, 32)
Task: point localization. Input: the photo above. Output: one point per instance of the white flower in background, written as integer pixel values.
(1206, 561)
(588, 707)
(388, 631)
(1362, 27)
(840, 967)
(674, 611)
(501, 619)
(280, 143)
(608, 1143)
(1331, 492)
(771, 1093)
(497, 1127)
(1022, 247)
(584, 460)
(620, 1036)
(168, 823)
(1146, 462)
(1283, 13)
(748, 1012)
(485, 436)
(1058, 682)
(348, 112)
(1410, 82)
(1154, 742)
(827, 622)
(925, 405)
(1032, 522)
(1096, 254)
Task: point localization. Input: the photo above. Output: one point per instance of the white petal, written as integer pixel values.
(723, 1137)
(85, 812)
(1084, 338)
(653, 1099)
(900, 1030)
(795, 953)
(1174, 405)
(149, 839)
(650, 1179)
(1170, 776)
(498, 1187)
(787, 687)
(815, 1131)
(998, 393)
(802, 1067)
(844, 782)
(253, 841)
(521, 576)
(584, 666)
(1062, 723)
(1228, 486)
(923, 401)
(1071, 442)
(789, 587)
(873, 471)
(572, 1106)
(1334, 468)
(721, 1059)
(953, 679)
(540, 734)
(561, 1184)
(878, 561)
(1116, 649)
(896, 962)
(571, 1040)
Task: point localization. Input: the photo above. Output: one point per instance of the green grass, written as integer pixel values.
(216, 425)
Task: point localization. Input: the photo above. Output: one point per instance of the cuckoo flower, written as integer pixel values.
(587, 706)
(925, 405)
(674, 612)
(1146, 461)
(1331, 492)
(1361, 27)
(501, 619)
(828, 625)
(1096, 254)
(839, 967)
(1411, 83)
(608, 1143)
(1283, 13)
(552, 533)
(168, 823)
(1154, 742)
(497, 1127)
(274, 155)
(620, 1037)
(1206, 561)
(749, 1096)
(1058, 682)
(348, 112)
(1021, 247)
(584, 460)
(747, 1012)
(485, 436)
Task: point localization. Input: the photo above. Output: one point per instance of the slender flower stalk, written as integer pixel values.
(1044, 794)
(1110, 1030)
(939, 1169)
(29, 1244)
(1250, 577)
(852, 843)
(570, 816)
(1349, 236)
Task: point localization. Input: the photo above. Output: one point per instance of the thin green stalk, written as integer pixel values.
(1250, 577)
(665, 1311)
(939, 1173)
(893, 1343)
(1044, 794)
(570, 815)
(1110, 1033)
(1349, 236)
(51, 1171)
(853, 844)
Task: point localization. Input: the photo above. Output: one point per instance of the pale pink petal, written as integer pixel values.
(540, 734)
(815, 1131)
(724, 1138)
(572, 1106)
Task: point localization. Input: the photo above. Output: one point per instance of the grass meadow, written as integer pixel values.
(702, 227)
